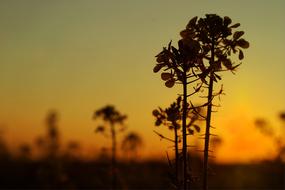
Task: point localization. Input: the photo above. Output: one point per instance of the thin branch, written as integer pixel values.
(169, 162)
(192, 93)
(163, 137)
(196, 90)
(193, 81)
(195, 107)
(196, 112)
(190, 76)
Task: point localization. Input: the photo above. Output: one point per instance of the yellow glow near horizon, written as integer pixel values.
(76, 57)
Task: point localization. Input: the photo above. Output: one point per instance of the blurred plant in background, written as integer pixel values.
(112, 119)
(131, 145)
(277, 134)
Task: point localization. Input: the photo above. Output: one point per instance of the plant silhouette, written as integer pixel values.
(171, 117)
(112, 118)
(265, 127)
(4, 150)
(179, 67)
(204, 51)
(131, 143)
(72, 151)
(218, 42)
(25, 152)
(51, 173)
(52, 134)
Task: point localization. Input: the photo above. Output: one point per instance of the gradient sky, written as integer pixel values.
(77, 56)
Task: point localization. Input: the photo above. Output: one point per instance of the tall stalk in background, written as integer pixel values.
(131, 144)
(112, 118)
(53, 134)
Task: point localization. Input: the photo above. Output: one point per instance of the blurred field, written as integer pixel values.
(76, 174)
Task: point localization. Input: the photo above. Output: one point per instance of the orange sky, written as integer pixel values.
(76, 57)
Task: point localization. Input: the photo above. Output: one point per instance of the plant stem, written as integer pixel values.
(176, 154)
(114, 161)
(208, 123)
(207, 137)
(184, 147)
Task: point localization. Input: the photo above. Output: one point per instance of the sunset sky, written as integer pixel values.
(77, 56)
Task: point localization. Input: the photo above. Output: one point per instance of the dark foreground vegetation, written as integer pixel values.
(76, 174)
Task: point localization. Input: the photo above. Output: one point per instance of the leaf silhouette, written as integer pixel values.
(170, 83)
(227, 63)
(191, 132)
(235, 25)
(160, 58)
(166, 76)
(155, 112)
(158, 122)
(240, 55)
(227, 20)
(157, 68)
(197, 128)
(192, 22)
(238, 34)
(243, 43)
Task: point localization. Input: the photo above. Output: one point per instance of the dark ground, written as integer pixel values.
(26, 174)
